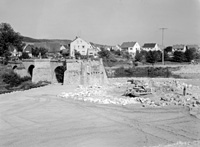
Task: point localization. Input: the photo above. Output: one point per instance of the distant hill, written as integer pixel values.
(60, 41)
(33, 40)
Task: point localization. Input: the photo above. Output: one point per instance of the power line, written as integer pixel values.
(163, 58)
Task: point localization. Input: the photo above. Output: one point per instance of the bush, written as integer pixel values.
(179, 56)
(153, 57)
(190, 54)
(24, 56)
(13, 79)
(143, 72)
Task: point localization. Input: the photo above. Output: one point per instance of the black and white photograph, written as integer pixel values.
(99, 73)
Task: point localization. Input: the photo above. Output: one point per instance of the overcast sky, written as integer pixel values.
(105, 21)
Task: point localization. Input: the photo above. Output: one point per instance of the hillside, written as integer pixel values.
(33, 40)
(60, 41)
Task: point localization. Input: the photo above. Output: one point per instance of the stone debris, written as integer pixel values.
(167, 93)
(148, 93)
(96, 94)
(137, 88)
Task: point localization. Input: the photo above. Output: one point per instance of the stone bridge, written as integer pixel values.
(66, 71)
(38, 69)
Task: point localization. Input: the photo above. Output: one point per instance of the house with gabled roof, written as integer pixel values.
(52, 47)
(179, 47)
(80, 46)
(65, 49)
(28, 48)
(94, 50)
(116, 48)
(13, 50)
(130, 47)
(151, 47)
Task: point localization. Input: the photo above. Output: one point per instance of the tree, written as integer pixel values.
(117, 52)
(190, 54)
(24, 56)
(138, 56)
(166, 56)
(152, 57)
(179, 56)
(9, 37)
(168, 49)
(36, 51)
(105, 54)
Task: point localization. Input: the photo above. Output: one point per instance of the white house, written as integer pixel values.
(130, 47)
(65, 49)
(94, 50)
(28, 48)
(79, 45)
(151, 47)
(116, 48)
(179, 47)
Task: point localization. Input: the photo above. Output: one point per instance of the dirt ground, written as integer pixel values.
(39, 118)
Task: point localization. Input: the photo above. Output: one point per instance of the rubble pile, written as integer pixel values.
(137, 88)
(96, 94)
(149, 92)
(165, 93)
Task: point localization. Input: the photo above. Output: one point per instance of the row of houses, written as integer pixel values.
(91, 49)
(132, 47)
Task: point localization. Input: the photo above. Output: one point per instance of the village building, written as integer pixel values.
(28, 49)
(83, 47)
(179, 47)
(13, 51)
(65, 49)
(130, 47)
(116, 48)
(151, 47)
(52, 47)
(94, 50)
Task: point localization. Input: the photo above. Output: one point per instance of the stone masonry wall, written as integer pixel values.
(42, 71)
(85, 73)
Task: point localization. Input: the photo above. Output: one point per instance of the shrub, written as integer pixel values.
(153, 57)
(24, 56)
(190, 54)
(179, 56)
(143, 72)
(14, 79)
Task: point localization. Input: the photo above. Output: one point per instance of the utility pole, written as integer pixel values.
(163, 57)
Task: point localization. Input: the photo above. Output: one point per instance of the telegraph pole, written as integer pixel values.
(163, 57)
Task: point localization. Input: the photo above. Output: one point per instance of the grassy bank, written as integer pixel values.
(164, 72)
(10, 81)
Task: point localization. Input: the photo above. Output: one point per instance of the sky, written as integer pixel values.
(108, 22)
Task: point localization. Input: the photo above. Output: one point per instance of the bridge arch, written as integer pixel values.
(30, 70)
(14, 67)
(59, 73)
